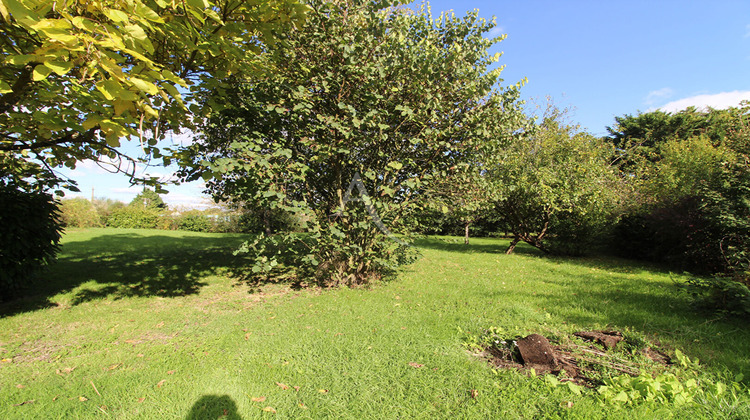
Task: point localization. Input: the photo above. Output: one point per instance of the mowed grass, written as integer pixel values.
(152, 324)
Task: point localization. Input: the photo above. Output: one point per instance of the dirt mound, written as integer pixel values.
(581, 364)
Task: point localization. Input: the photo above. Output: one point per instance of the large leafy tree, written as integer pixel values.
(369, 102)
(555, 186)
(78, 77)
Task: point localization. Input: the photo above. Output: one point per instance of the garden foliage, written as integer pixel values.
(368, 106)
(29, 237)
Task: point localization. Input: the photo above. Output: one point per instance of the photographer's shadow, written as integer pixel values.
(214, 407)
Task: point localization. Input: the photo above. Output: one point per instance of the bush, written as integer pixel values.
(80, 213)
(135, 217)
(195, 223)
(29, 237)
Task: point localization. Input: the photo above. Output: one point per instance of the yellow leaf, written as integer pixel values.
(82, 399)
(158, 385)
(269, 409)
(6, 360)
(323, 391)
(303, 406)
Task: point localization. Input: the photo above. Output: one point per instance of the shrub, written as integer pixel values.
(135, 217)
(79, 212)
(29, 237)
(195, 223)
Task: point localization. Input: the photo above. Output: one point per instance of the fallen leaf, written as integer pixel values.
(19, 386)
(6, 360)
(142, 399)
(397, 297)
(226, 413)
(269, 409)
(570, 404)
(474, 393)
(139, 355)
(323, 391)
(159, 325)
(158, 385)
(82, 399)
(115, 366)
(54, 399)
(258, 399)
(403, 328)
(247, 336)
(170, 372)
(296, 388)
(24, 403)
(282, 386)
(301, 405)
(415, 364)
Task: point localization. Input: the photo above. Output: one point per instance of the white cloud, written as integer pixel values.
(717, 101)
(659, 94)
(175, 199)
(134, 190)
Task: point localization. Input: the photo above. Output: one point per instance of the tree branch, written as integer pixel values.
(72, 137)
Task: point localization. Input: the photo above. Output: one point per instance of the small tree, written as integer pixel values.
(148, 199)
(555, 186)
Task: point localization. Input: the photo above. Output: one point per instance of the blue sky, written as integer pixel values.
(603, 58)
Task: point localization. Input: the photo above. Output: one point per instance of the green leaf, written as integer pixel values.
(396, 165)
(59, 67)
(144, 86)
(20, 59)
(4, 87)
(41, 72)
(116, 15)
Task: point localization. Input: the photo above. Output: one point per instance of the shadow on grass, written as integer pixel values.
(214, 407)
(498, 246)
(475, 245)
(122, 265)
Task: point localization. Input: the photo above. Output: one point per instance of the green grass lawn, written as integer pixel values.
(152, 324)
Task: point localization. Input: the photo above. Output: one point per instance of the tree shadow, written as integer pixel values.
(120, 265)
(475, 245)
(214, 407)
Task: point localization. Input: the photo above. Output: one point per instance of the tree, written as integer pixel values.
(148, 199)
(464, 195)
(369, 105)
(78, 77)
(555, 186)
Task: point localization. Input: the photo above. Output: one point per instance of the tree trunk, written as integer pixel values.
(512, 245)
(466, 233)
(267, 221)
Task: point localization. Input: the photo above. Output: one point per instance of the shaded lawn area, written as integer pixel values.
(150, 324)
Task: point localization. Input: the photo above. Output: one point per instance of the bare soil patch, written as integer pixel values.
(583, 363)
